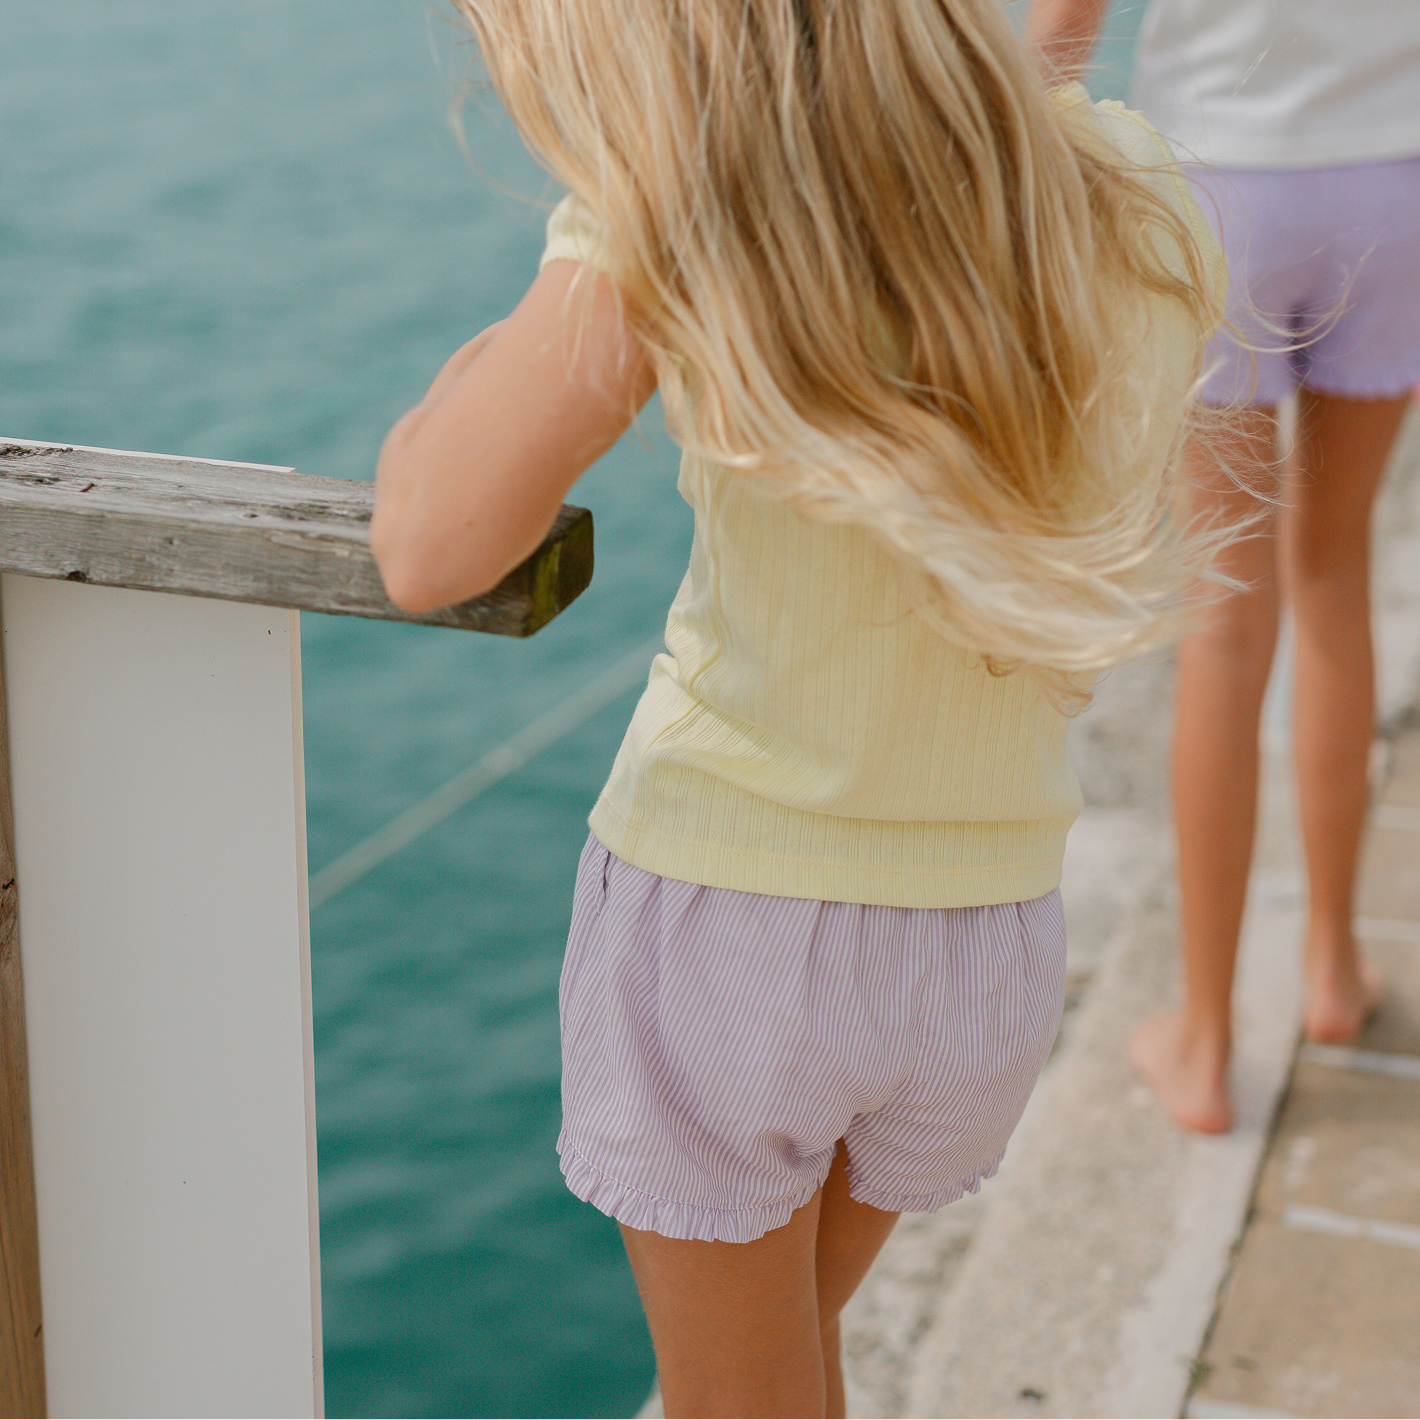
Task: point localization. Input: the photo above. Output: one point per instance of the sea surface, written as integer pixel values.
(246, 230)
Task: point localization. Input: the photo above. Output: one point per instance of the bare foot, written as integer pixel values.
(1189, 1078)
(1340, 1002)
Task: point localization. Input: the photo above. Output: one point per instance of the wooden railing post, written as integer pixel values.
(163, 847)
(21, 1346)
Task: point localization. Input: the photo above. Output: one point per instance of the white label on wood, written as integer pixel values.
(160, 856)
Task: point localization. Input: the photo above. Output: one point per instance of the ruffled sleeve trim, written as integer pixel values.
(574, 234)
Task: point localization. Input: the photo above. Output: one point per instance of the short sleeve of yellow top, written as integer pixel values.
(808, 735)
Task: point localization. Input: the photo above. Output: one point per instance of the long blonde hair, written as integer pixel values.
(880, 269)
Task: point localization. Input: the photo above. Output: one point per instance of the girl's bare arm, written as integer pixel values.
(1062, 33)
(471, 478)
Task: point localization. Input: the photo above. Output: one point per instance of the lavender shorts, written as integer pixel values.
(1332, 256)
(717, 1045)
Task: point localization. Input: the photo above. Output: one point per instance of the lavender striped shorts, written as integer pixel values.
(717, 1045)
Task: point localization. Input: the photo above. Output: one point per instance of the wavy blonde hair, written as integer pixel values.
(881, 269)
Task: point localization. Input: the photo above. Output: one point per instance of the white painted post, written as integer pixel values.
(155, 752)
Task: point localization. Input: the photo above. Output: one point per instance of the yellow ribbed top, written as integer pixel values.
(808, 734)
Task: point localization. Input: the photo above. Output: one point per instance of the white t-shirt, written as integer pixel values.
(1282, 83)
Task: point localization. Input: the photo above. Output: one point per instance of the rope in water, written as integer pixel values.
(497, 764)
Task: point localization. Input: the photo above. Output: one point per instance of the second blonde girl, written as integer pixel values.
(927, 336)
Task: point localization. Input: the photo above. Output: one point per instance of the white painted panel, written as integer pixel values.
(160, 855)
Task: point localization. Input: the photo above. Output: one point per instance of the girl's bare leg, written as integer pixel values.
(1222, 674)
(1342, 449)
(1343, 445)
(850, 1236)
(751, 1329)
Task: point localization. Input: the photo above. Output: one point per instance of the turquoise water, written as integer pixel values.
(245, 231)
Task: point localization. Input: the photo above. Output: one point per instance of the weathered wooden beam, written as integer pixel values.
(21, 1347)
(243, 532)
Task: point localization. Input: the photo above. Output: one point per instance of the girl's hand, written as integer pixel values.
(471, 478)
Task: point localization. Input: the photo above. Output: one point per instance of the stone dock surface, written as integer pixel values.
(1119, 1267)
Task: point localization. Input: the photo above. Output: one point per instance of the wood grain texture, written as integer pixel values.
(243, 532)
(21, 1346)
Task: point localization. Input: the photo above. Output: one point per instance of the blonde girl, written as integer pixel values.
(927, 336)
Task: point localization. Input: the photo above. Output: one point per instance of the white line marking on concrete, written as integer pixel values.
(1373, 1062)
(497, 764)
(1387, 929)
(1399, 1234)
(1223, 1410)
(1396, 816)
(1343, 1225)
